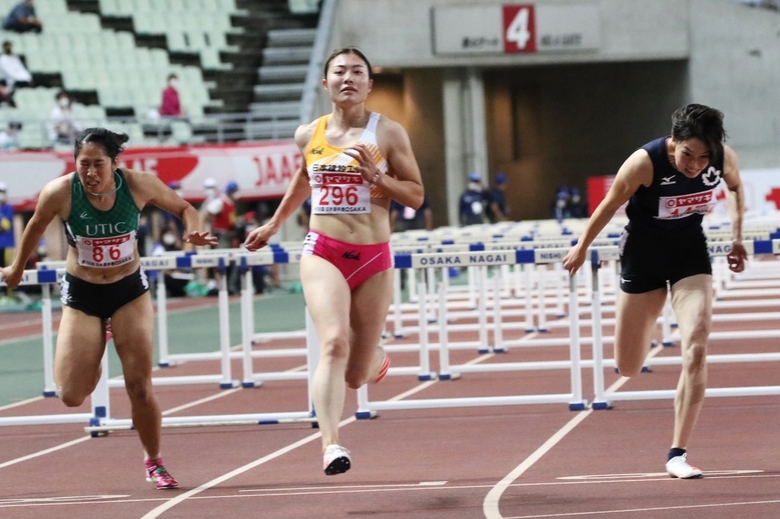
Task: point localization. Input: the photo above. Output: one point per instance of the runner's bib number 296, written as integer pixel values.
(106, 252)
(340, 193)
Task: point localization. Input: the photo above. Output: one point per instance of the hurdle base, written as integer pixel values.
(498, 350)
(600, 406)
(164, 364)
(668, 344)
(449, 376)
(578, 406)
(49, 394)
(228, 385)
(543, 330)
(483, 351)
(425, 378)
(248, 385)
(399, 335)
(365, 415)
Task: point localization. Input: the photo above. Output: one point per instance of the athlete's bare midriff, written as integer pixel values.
(366, 228)
(100, 276)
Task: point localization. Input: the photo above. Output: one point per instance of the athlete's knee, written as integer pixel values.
(335, 348)
(71, 398)
(627, 369)
(355, 378)
(695, 357)
(139, 390)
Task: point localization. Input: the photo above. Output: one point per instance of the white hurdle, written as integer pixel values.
(603, 398)
(574, 398)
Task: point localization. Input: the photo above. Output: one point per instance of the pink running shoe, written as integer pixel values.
(158, 474)
(383, 370)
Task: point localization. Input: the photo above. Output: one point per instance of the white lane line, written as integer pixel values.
(349, 487)
(285, 492)
(490, 505)
(249, 466)
(44, 452)
(23, 402)
(216, 396)
(651, 509)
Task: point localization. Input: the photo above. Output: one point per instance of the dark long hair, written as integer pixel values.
(111, 142)
(347, 50)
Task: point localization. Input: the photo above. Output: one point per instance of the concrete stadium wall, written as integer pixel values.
(558, 117)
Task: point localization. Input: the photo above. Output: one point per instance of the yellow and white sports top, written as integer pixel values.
(337, 186)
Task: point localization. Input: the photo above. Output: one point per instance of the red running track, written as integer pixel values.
(515, 462)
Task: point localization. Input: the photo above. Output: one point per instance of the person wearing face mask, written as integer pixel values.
(62, 127)
(171, 104)
(12, 69)
(169, 221)
(669, 184)
(471, 206)
(9, 136)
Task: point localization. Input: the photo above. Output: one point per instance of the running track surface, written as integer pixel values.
(528, 461)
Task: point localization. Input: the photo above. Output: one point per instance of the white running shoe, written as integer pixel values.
(336, 460)
(678, 467)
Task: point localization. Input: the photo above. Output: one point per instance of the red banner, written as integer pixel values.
(262, 170)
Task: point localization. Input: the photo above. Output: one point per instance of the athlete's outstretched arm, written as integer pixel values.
(51, 201)
(297, 192)
(636, 171)
(736, 200)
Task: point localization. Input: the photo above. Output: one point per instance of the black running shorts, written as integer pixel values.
(103, 300)
(650, 260)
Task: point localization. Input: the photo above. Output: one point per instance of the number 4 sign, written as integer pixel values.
(519, 28)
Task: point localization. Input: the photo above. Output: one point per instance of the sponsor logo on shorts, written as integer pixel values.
(351, 255)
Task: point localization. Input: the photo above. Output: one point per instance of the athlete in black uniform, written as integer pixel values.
(669, 184)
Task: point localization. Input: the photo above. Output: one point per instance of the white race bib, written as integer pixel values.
(675, 207)
(339, 193)
(106, 252)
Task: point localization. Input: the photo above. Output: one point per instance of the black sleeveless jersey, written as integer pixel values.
(673, 202)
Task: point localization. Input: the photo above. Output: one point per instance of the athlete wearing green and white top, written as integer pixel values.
(100, 204)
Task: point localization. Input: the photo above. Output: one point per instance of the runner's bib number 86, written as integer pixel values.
(106, 252)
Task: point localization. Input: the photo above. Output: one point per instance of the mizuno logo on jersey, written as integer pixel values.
(667, 181)
(317, 151)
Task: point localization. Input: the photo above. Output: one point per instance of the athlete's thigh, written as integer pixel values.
(370, 303)
(133, 328)
(635, 321)
(327, 296)
(80, 347)
(692, 304)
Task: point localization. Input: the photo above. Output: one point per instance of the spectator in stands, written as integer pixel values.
(7, 241)
(470, 207)
(62, 127)
(22, 18)
(6, 94)
(495, 200)
(577, 206)
(8, 138)
(221, 214)
(170, 222)
(12, 69)
(405, 218)
(171, 105)
(560, 206)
